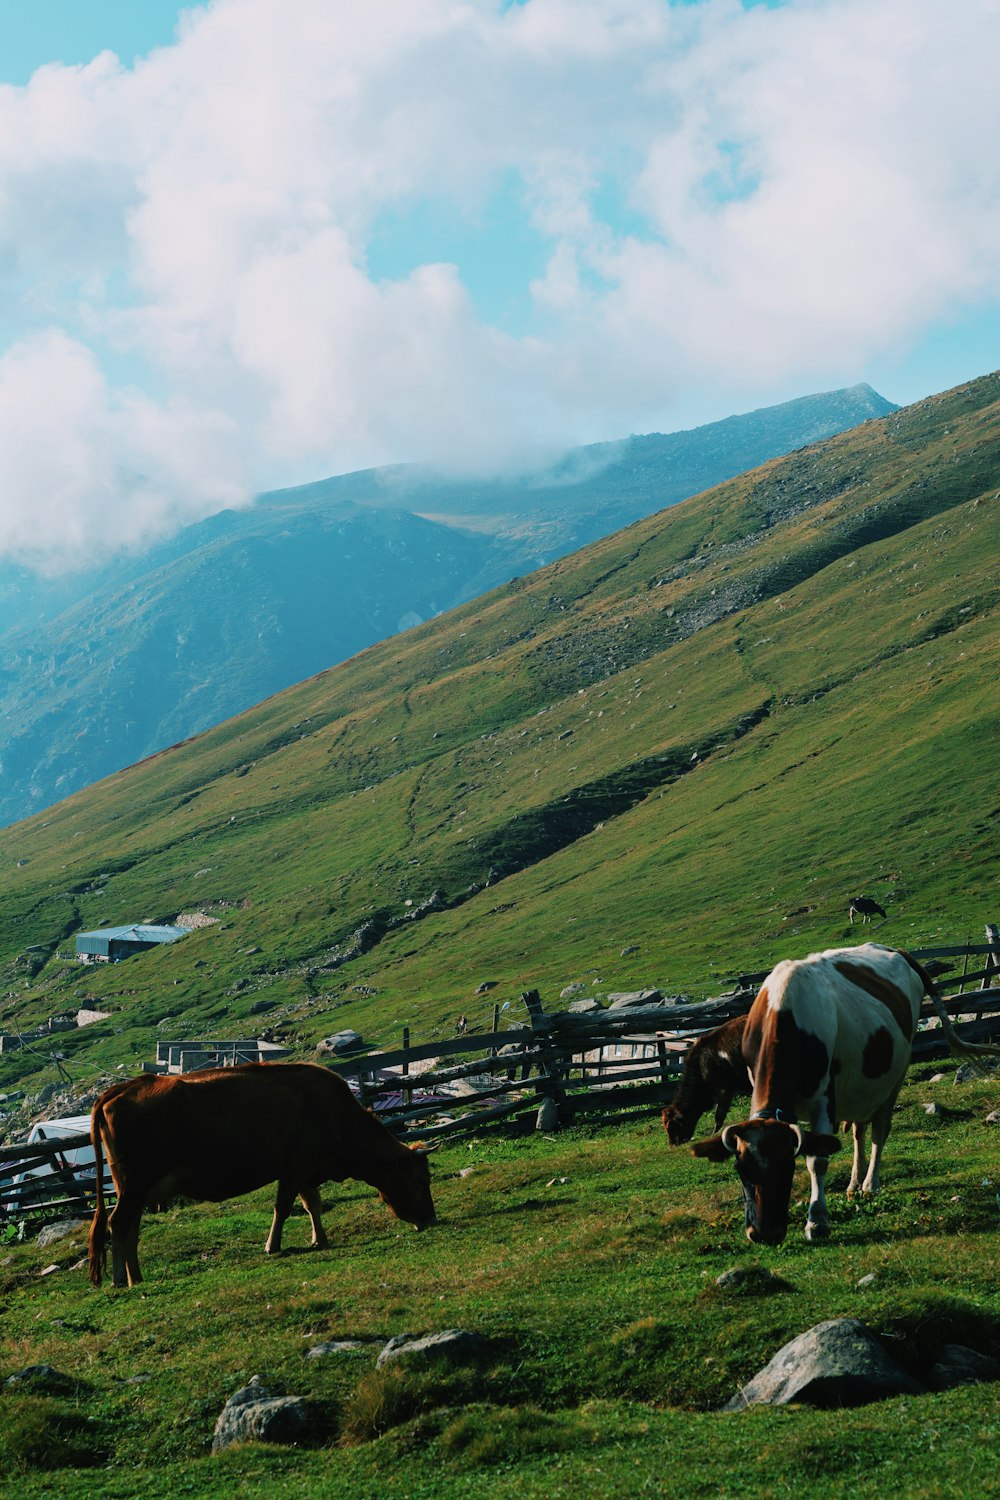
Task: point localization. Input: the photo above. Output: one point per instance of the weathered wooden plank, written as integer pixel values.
(44, 1150)
(453, 1106)
(645, 1095)
(650, 1069)
(349, 1067)
(488, 1066)
(469, 1123)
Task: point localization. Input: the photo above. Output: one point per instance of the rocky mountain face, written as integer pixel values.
(103, 668)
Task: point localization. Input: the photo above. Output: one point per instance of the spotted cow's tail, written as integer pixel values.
(979, 1054)
(98, 1247)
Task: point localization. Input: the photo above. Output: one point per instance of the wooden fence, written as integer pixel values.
(556, 1067)
(66, 1185)
(563, 1065)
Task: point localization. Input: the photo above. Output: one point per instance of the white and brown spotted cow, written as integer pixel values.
(827, 1039)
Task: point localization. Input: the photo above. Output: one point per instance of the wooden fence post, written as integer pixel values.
(548, 1084)
(661, 1051)
(993, 957)
(407, 1093)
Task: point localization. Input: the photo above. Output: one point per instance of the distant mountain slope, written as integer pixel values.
(665, 759)
(102, 669)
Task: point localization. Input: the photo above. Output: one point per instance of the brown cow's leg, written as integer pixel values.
(132, 1254)
(124, 1226)
(313, 1207)
(283, 1200)
(722, 1104)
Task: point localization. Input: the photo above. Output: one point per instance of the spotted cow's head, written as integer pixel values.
(765, 1152)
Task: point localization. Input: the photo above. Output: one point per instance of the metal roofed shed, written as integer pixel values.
(109, 944)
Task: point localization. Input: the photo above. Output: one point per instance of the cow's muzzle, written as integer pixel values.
(774, 1236)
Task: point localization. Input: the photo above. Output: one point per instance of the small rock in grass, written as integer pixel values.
(751, 1281)
(334, 1346)
(253, 1415)
(52, 1232)
(42, 1379)
(452, 1343)
(957, 1365)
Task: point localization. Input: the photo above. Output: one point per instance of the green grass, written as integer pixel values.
(610, 1344)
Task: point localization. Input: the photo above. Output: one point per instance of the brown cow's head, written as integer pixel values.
(765, 1153)
(680, 1123)
(406, 1187)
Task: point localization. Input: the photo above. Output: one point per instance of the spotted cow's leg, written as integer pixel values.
(818, 1222)
(314, 1208)
(857, 1171)
(283, 1200)
(881, 1123)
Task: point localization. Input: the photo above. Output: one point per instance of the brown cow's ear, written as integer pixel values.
(712, 1149)
(815, 1143)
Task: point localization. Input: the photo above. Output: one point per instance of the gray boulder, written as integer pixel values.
(576, 988)
(341, 1042)
(623, 1000)
(969, 1072)
(957, 1365)
(584, 1007)
(59, 1231)
(837, 1363)
(253, 1415)
(456, 1344)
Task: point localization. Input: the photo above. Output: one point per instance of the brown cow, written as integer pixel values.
(226, 1131)
(714, 1074)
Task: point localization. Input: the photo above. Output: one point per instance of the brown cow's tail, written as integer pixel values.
(979, 1054)
(98, 1249)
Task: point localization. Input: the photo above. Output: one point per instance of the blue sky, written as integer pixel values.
(74, 31)
(252, 242)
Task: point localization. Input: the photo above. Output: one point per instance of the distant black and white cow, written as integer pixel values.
(827, 1039)
(865, 908)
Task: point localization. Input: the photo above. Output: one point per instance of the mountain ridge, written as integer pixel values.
(247, 602)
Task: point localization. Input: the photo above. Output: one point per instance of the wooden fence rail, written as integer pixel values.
(548, 1070)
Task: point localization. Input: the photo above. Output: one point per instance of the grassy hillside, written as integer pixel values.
(694, 740)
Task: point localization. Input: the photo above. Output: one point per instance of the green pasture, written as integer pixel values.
(589, 1260)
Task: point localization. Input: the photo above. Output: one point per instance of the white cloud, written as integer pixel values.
(86, 471)
(744, 202)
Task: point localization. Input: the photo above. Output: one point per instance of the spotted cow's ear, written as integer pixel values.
(815, 1143)
(712, 1149)
(422, 1149)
